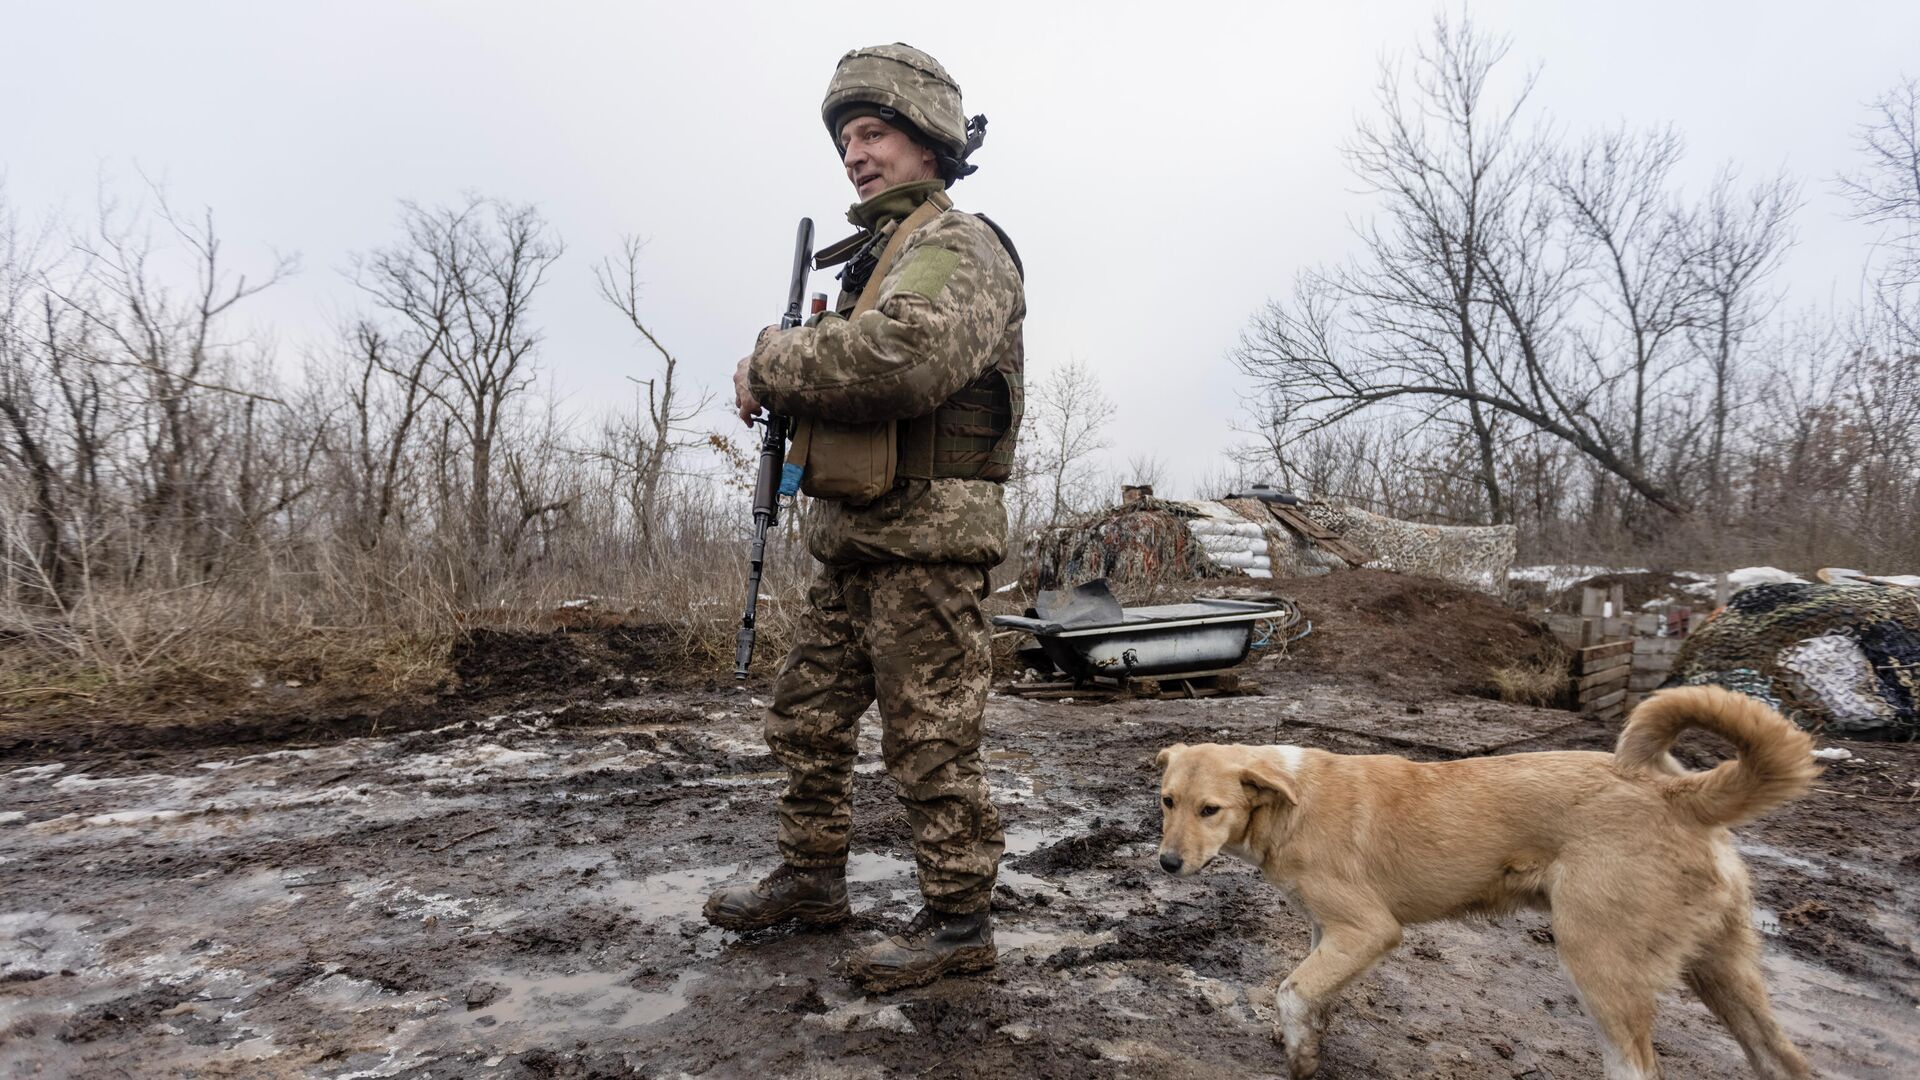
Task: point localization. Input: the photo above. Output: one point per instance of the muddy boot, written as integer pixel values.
(789, 894)
(935, 943)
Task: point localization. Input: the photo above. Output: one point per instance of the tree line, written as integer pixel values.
(164, 475)
(1541, 327)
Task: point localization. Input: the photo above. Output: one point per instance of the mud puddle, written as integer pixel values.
(520, 897)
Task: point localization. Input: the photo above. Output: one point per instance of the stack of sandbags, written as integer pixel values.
(1239, 545)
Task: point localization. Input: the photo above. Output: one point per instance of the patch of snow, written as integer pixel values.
(405, 901)
(863, 1015)
(1749, 576)
(11, 816)
(326, 796)
(36, 772)
(1832, 753)
(83, 782)
(1559, 577)
(463, 765)
(136, 817)
(727, 744)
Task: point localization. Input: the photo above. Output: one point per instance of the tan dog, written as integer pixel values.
(1629, 851)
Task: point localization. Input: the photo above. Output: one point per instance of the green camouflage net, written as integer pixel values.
(1839, 658)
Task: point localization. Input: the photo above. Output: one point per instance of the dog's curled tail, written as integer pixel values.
(1775, 763)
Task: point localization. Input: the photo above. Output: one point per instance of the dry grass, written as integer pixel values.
(1535, 681)
(225, 670)
(346, 628)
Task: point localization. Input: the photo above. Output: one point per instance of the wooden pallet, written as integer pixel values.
(1316, 534)
(1188, 684)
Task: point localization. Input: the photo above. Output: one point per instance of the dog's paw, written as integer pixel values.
(1296, 1029)
(1303, 1055)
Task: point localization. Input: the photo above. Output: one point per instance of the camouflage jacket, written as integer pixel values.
(950, 308)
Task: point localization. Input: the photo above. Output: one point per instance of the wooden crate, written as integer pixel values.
(1601, 674)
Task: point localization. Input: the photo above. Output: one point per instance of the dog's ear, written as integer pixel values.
(1166, 754)
(1268, 782)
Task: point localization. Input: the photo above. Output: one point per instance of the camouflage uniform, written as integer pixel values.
(894, 613)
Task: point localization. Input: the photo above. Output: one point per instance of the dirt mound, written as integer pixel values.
(1412, 634)
(568, 662)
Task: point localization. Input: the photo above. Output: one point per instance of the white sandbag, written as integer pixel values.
(1215, 527)
(1214, 545)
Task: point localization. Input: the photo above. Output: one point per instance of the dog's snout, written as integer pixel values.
(1170, 862)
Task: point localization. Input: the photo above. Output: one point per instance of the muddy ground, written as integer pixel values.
(516, 894)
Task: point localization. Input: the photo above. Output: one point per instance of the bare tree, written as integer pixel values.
(642, 447)
(1447, 162)
(1463, 310)
(1739, 241)
(1145, 470)
(1617, 190)
(1066, 418)
(388, 381)
(1886, 191)
(1450, 166)
(27, 428)
(464, 279)
(174, 343)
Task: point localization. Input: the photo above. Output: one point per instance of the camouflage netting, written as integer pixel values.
(1840, 658)
(1139, 543)
(1474, 557)
(1161, 540)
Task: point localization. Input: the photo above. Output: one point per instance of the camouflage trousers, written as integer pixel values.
(913, 637)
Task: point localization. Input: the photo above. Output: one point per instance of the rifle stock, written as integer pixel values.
(769, 483)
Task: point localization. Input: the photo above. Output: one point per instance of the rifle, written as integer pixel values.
(775, 478)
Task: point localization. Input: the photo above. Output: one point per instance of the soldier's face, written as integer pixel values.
(879, 156)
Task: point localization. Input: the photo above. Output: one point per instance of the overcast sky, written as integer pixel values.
(1164, 168)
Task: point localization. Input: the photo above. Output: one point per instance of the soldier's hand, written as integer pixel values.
(743, 398)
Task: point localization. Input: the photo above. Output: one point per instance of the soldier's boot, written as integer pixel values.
(789, 894)
(935, 943)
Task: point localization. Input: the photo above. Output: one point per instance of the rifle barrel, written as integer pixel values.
(773, 453)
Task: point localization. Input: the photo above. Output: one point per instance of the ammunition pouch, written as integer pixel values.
(971, 435)
(855, 463)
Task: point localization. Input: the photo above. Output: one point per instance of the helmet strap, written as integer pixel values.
(953, 168)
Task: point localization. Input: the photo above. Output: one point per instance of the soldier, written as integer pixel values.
(907, 399)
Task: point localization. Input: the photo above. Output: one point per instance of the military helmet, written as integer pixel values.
(904, 83)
